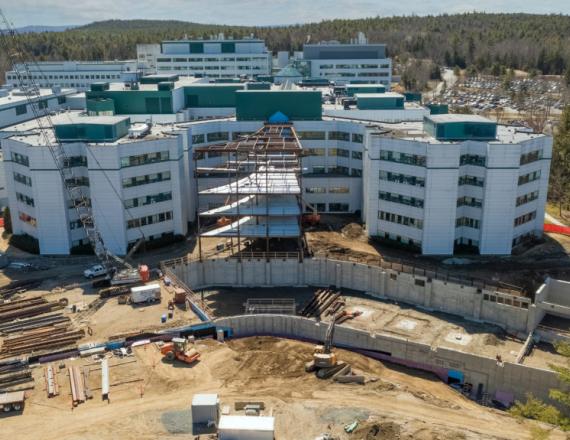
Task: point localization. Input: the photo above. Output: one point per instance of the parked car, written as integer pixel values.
(94, 271)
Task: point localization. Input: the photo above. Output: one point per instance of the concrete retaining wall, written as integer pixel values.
(506, 378)
(513, 313)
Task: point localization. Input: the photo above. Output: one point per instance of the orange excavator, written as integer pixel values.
(178, 349)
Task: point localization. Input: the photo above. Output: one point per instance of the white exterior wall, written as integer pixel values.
(78, 74)
(353, 70)
(250, 58)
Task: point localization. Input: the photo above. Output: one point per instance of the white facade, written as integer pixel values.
(344, 63)
(14, 106)
(406, 185)
(439, 194)
(132, 192)
(76, 74)
(222, 58)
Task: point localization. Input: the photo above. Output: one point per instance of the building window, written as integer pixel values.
(469, 201)
(339, 170)
(358, 138)
(143, 159)
(402, 178)
(471, 180)
(75, 161)
(315, 190)
(400, 219)
(146, 179)
(77, 181)
(408, 159)
(311, 135)
(338, 207)
(25, 199)
(356, 172)
(357, 155)
(198, 139)
(527, 198)
(149, 220)
(148, 200)
(472, 159)
(341, 152)
(22, 159)
(402, 200)
(315, 151)
(319, 170)
(467, 222)
(339, 190)
(532, 156)
(21, 109)
(525, 218)
(530, 177)
(339, 136)
(22, 179)
(218, 136)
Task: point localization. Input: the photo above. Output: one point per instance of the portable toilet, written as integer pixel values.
(205, 408)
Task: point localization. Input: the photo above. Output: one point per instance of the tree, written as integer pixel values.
(7, 220)
(560, 165)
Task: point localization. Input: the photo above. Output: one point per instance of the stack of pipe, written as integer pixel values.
(25, 308)
(38, 340)
(31, 323)
(77, 383)
(318, 305)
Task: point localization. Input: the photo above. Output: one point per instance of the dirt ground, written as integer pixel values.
(150, 398)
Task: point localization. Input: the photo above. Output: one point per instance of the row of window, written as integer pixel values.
(345, 171)
(332, 135)
(469, 201)
(525, 218)
(408, 159)
(148, 200)
(472, 159)
(340, 152)
(332, 190)
(75, 161)
(209, 60)
(146, 179)
(143, 159)
(149, 220)
(402, 178)
(532, 156)
(527, 198)
(76, 76)
(354, 66)
(530, 177)
(22, 179)
(467, 222)
(402, 200)
(400, 219)
(25, 199)
(471, 180)
(22, 159)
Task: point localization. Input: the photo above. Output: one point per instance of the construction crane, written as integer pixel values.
(81, 203)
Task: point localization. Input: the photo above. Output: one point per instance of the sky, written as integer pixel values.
(252, 12)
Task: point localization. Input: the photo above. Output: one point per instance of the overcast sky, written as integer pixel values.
(252, 12)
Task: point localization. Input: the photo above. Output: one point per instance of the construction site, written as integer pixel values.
(270, 318)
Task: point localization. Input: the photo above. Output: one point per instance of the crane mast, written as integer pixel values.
(76, 194)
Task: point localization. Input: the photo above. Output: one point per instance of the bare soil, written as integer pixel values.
(150, 399)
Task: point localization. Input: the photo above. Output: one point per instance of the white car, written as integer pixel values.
(95, 271)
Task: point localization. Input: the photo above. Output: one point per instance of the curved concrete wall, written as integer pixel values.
(510, 312)
(504, 378)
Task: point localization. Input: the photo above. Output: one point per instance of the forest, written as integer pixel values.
(484, 42)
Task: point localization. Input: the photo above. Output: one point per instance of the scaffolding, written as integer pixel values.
(259, 177)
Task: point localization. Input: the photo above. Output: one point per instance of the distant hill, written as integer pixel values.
(36, 29)
(485, 42)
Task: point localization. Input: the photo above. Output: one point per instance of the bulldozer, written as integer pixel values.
(178, 349)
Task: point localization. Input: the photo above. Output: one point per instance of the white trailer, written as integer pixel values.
(12, 401)
(145, 294)
(205, 409)
(246, 428)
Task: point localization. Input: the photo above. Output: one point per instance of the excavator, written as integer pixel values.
(178, 349)
(311, 219)
(323, 356)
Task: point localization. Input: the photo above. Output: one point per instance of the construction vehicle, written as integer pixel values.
(12, 401)
(311, 219)
(323, 355)
(178, 349)
(118, 270)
